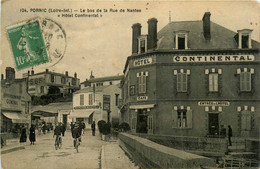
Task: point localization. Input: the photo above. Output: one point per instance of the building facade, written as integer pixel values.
(39, 83)
(192, 78)
(98, 100)
(15, 103)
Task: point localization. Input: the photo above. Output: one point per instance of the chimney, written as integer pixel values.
(9, 74)
(206, 25)
(46, 70)
(75, 75)
(67, 73)
(135, 34)
(152, 33)
(32, 72)
(91, 75)
(28, 72)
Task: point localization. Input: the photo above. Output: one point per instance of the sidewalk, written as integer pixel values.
(15, 145)
(113, 157)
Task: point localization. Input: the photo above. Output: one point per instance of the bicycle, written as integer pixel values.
(76, 144)
(58, 142)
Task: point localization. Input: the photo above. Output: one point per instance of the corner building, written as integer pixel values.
(191, 79)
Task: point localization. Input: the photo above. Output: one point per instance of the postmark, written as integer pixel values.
(55, 40)
(27, 44)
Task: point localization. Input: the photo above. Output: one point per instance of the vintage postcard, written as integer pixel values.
(130, 84)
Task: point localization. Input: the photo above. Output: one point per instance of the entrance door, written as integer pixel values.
(65, 119)
(141, 121)
(213, 124)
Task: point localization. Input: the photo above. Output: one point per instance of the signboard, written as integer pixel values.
(213, 103)
(106, 102)
(142, 98)
(143, 61)
(214, 58)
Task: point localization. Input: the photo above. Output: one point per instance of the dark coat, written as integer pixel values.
(229, 132)
(32, 134)
(93, 126)
(76, 132)
(23, 136)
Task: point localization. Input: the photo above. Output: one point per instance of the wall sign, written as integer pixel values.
(142, 98)
(213, 103)
(106, 102)
(214, 58)
(86, 107)
(143, 61)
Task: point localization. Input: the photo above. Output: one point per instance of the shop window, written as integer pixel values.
(182, 118)
(90, 99)
(245, 81)
(142, 81)
(213, 82)
(82, 99)
(132, 90)
(142, 44)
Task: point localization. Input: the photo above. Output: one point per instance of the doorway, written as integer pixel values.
(213, 124)
(141, 121)
(65, 118)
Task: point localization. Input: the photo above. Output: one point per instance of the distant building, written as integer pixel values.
(97, 100)
(39, 83)
(15, 103)
(192, 78)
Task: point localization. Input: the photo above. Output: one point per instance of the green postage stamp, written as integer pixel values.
(27, 44)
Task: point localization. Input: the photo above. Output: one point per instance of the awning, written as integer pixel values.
(144, 106)
(16, 117)
(81, 113)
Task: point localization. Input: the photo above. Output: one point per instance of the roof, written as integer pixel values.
(221, 37)
(90, 89)
(103, 79)
(53, 107)
(49, 72)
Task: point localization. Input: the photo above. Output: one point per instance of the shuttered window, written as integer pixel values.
(182, 82)
(142, 84)
(246, 121)
(90, 99)
(245, 81)
(213, 82)
(82, 99)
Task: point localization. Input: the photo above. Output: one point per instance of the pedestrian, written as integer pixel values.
(32, 134)
(44, 128)
(23, 136)
(63, 127)
(84, 126)
(93, 128)
(229, 135)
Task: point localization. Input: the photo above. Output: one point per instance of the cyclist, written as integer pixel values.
(57, 132)
(76, 133)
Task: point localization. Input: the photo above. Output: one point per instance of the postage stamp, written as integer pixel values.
(27, 44)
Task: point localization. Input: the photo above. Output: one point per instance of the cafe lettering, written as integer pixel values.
(214, 58)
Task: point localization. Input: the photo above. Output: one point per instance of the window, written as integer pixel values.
(99, 84)
(142, 81)
(213, 82)
(243, 38)
(132, 90)
(74, 81)
(245, 81)
(63, 80)
(117, 99)
(110, 83)
(181, 82)
(182, 117)
(42, 89)
(181, 40)
(82, 99)
(52, 77)
(246, 120)
(90, 99)
(142, 44)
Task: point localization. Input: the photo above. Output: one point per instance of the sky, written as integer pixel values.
(103, 44)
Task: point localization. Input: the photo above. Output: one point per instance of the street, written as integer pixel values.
(43, 154)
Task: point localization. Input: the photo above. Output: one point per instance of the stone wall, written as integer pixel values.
(149, 154)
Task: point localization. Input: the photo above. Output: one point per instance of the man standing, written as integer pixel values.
(229, 135)
(93, 128)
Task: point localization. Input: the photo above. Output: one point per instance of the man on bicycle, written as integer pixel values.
(76, 133)
(57, 132)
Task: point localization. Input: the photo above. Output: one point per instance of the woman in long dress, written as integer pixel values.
(32, 135)
(23, 136)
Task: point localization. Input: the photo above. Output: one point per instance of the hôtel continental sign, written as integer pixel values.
(214, 58)
(143, 61)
